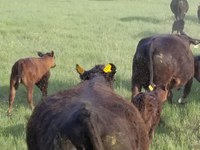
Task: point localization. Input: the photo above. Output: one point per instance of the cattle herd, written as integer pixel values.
(90, 115)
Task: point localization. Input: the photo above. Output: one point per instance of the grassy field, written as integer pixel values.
(90, 32)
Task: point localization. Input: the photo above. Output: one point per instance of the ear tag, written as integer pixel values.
(80, 69)
(150, 87)
(107, 68)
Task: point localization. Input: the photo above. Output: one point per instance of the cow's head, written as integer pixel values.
(50, 55)
(108, 71)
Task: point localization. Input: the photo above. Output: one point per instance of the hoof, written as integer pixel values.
(181, 101)
(9, 113)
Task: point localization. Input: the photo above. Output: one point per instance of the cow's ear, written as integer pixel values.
(52, 53)
(79, 69)
(109, 68)
(151, 88)
(40, 54)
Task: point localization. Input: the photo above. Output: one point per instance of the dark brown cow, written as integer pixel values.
(164, 59)
(31, 71)
(90, 116)
(179, 8)
(150, 106)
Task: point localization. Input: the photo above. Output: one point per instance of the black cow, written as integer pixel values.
(89, 116)
(198, 13)
(178, 26)
(179, 8)
(164, 59)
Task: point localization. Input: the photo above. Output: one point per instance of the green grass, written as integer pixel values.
(90, 32)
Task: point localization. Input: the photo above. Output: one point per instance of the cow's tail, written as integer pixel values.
(82, 130)
(93, 131)
(16, 76)
(151, 52)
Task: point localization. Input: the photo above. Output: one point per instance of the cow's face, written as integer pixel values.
(108, 71)
(50, 55)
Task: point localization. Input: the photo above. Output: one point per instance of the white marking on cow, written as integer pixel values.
(180, 100)
(160, 56)
(111, 139)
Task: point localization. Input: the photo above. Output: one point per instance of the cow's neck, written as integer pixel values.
(100, 79)
(46, 63)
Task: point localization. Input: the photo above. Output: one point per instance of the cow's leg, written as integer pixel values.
(42, 85)
(170, 96)
(30, 96)
(186, 91)
(11, 96)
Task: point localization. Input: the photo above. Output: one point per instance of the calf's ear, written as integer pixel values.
(52, 53)
(79, 69)
(40, 54)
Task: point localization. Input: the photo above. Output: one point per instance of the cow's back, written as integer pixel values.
(172, 58)
(119, 123)
(31, 69)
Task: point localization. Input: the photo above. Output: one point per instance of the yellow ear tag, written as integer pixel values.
(150, 87)
(107, 68)
(80, 69)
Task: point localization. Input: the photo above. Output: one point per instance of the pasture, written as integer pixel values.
(89, 32)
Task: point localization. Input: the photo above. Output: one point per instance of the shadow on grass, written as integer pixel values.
(21, 94)
(191, 18)
(144, 34)
(141, 18)
(122, 84)
(16, 131)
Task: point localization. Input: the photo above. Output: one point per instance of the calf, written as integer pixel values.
(150, 106)
(178, 26)
(89, 116)
(31, 71)
(164, 59)
(179, 8)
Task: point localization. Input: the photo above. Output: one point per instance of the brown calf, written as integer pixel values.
(149, 105)
(31, 71)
